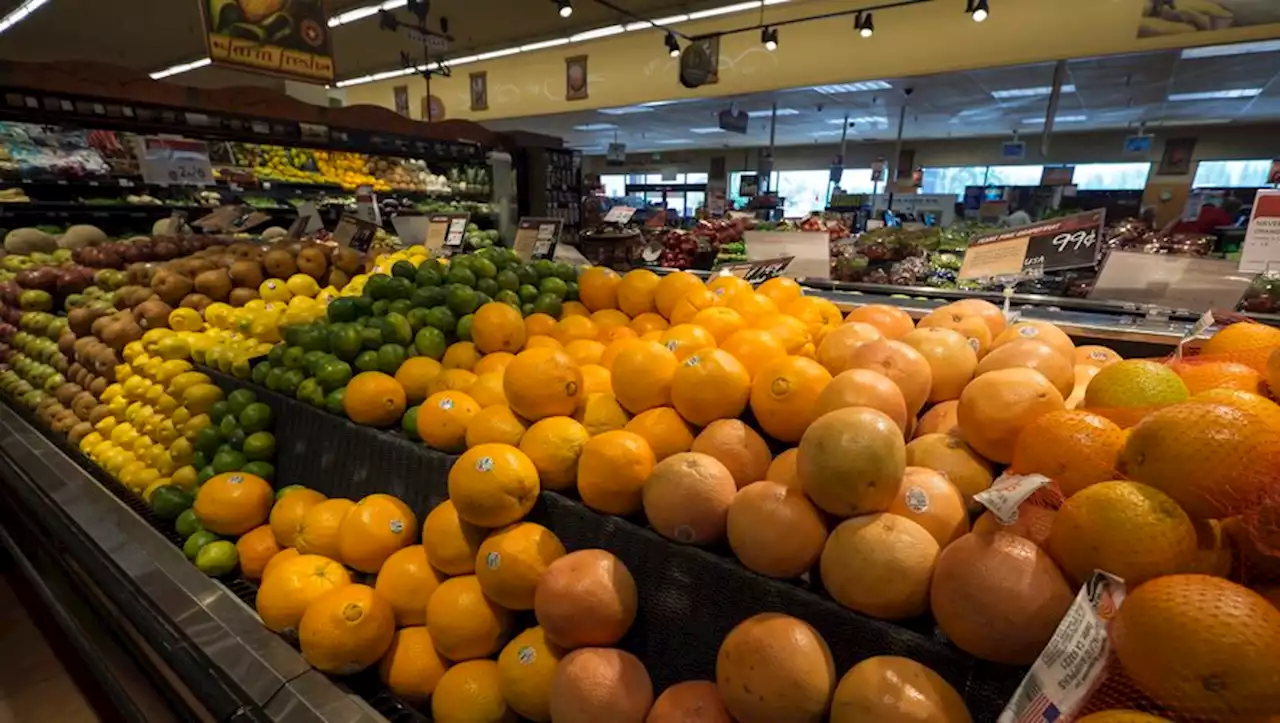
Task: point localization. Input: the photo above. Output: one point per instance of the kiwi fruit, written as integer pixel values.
(196, 301)
(152, 314)
(338, 278)
(246, 274)
(83, 404)
(240, 297)
(171, 286)
(279, 264)
(346, 259)
(67, 392)
(215, 284)
(79, 432)
(99, 413)
(311, 261)
(122, 331)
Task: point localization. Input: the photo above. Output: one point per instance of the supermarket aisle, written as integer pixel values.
(35, 685)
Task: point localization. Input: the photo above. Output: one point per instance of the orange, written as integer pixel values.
(463, 622)
(452, 380)
(783, 469)
(492, 485)
(1246, 342)
(375, 399)
(754, 348)
(495, 363)
(773, 667)
(685, 339)
(948, 454)
(973, 328)
(864, 388)
(1125, 528)
(443, 420)
(783, 396)
(687, 496)
(814, 312)
(600, 413)
(541, 342)
(788, 330)
(460, 355)
(1201, 646)
(997, 406)
(727, 286)
(287, 513)
(375, 528)
(712, 384)
(636, 292)
(553, 445)
(890, 688)
(346, 630)
(654, 335)
(587, 597)
(775, 530)
(781, 289)
(721, 321)
(292, 585)
(952, 361)
(405, 581)
(412, 667)
(542, 383)
(600, 684)
(233, 503)
(450, 542)
(495, 424)
(612, 471)
(318, 534)
(486, 391)
(647, 322)
(575, 308)
(1203, 376)
(584, 351)
(415, 375)
(893, 323)
(613, 348)
(752, 306)
(1041, 331)
(573, 328)
(598, 288)
(611, 334)
(987, 311)
(1264, 408)
(595, 380)
(1032, 354)
(902, 364)
(497, 327)
(606, 319)
(738, 447)
(851, 461)
(940, 419)
(642, 374)
(1073, 448)
(664, 429)
(671, 288)
(539, 324)
(511, 561)
(1121, 716)
(1126, 391)
(927, 498)
(470, 692)
(525, 669)
(255, 549)
(1096, 356)
(278, 559)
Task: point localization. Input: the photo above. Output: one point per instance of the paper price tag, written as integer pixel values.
(354, 232)
(174, 161)
(457, 227)
(755, 272)
(619, 214)
(536, 238)
(1006, 494)
(1202, 324)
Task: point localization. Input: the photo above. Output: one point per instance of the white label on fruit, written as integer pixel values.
(692, 361)
(1028, 331)
(484, 464)
(673, 345)
(1073, 663)
(974, 343)
(235, 479)
(1006, 494)
(684, 533)
(527, 655)
(493, 560)
(446, 404)
(397, 527)
(917, 499)
(1098, 355)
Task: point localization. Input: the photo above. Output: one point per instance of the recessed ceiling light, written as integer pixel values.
(859, 87)
(595, 127)
(1235, 94)
(1058, 119)
(626, 110)
(1029, 92)
(705, 130)
(767, 113)
(1219, 51)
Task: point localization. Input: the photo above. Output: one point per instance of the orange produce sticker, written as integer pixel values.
(1006, 494)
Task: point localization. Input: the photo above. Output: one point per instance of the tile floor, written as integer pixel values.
(34, 684)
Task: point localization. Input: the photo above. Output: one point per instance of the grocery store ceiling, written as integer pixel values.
(1161, 89)
(149, 35)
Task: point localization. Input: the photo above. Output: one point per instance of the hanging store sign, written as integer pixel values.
(619, 214)
(616, 155)
(277, 37)
(1029, 251)
(748, 185)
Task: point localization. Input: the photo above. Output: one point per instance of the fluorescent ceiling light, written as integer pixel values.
(825, 133)
(640, 25)
(1219, 51)
(184, 67)
(361, 13)
(498, 53)
(674, 141)
(1235, 94)
(660, 103)
(1058, 119)
(544, 44)
(706, 130)
(724, 10)
(775, 2)
(597, 33)
(1029, 92)
(870, 120)
(767, 113)
(1189, 122)
(860, 87)
(595, 127)
(20, 13)
(626, 110)
(454, 62)
(671, 20)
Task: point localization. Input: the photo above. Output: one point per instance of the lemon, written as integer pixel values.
(253, 306)
(185, 320)
(181, 451)
(116, 460)
(165, 432)
(240, 367)
(193, 426)
(110, 393)
(105, 425)
(153, 395)
(152, 367)
(131, 351)
(89, 441)
(180, 417)
(117, 408)
(266, 330)
(124, 372)
(128, 472)
(123, 434)
(217, 313)
(274, 290)
(131, 412)
(302, 285)
(166, 405)
(185, 381)
(155, 336)
(151, 488)
(172, 348)
(100, 450)
(184, 477)
(172, 368)
(141, 446)
(162, 461)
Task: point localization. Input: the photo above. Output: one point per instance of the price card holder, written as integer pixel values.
(1030, 251)
(354, 232)
(810, 251)
(536, 238)
(307, 222)
(177, 220)
(443, 228)
(219, 219)
(619, 214)
(412, 230)
(755, 272)
(166, 161)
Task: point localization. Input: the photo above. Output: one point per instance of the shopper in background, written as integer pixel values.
(1019, 217)
(1213, 216)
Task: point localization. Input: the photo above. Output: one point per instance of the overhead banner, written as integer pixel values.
(289, 38)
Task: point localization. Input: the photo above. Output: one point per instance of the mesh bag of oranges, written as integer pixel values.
(1158, 498)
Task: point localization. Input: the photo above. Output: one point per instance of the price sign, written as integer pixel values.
(446, 230)
(536, 238)
(755, 272)
(1030, 251)
(354, 232)
(412, 230)
(174, 161)
(1261, 246)
(619, 214)
(457, 228)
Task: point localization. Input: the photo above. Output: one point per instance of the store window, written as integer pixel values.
(858, 180)
(615, 185)
(1014, 175)
(696, 178)
(1232, 174)
(803, 192)
(953, 179)
(1112, 176)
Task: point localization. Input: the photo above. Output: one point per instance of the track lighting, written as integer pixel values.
(673, 46)
(565, 7)
(865, 25)
(769, 36)
(979, 10)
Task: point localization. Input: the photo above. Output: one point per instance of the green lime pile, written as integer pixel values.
(238, 438)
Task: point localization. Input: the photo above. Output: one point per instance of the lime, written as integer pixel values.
(430, 342)
(239, 399)
(275, 378)
(217, 558)
(345, 341)
(464, 327)
(565, 272)
(208, 440)
(197, 541)
(200, 460)
(554, 286)
(380, 307)
(312, 359)
(311, 392)
(390, 357)
(378, 286)
(292, 334)
(488, 287)
(409, 422)
(441, 318)
(367, 361)
(571, 291)
(461, 276)
(510, 298)
(342, 309)
(363, 304)
(187, 524)
(280, 493)
(427, 297)
(482, 298)
(544, 268)
(526, 274)
(235, 439)
(218, 411)
(507, 279)
(292, 378)
(334, 374)
(260, 372)
(401, 288)
(417, 318)
(261, 446)
(462, 261)
(371, 337)
(548, 304)
(168, 502)
(404, 269)
(333, 402)
(528, 293)
(314, 337)
(205, 474)
(462, 300)
(484, 268)
(228, 426)
(428, 274)
(256, 417)
(526, 309)
(276, 355)
(228, 461)
(258, 468)
(396, 329)
(400, 306)
(295, 357)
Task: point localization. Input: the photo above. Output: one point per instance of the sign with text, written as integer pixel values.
(619, 214)
(810, 251)
(1063, 243)
(232, 219)
(748, 185)
(754, 272)
(446, 230)
(308, 221)
(174, 161)
(1262, 241)
(354, 232)
(536, 238)
(286, 39)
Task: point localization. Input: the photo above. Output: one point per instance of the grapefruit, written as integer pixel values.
(585, 598)
(1034, 523)
(1032, 354)
(1096, 356)
(687, 496)
(997, 406)
(902, 364)
(754, 348)
(1134, 384)
(952, 362)
(890, 689)
(941, 418)
(1041, 331)
(1071, 447)
(851, 461)
(737, 446)
(773, 668)
(782, 289)
(1203, 376)
(985, 310)
(693, 701)
(1246, 341)
(972, 327)
(928, 499)
(783, 396)
(880, 565)
(783, 469)
(664, 429)
(864, 388)
(893, 323)
(775, 530)
(600, 684)
(464, 623)
(346, 630)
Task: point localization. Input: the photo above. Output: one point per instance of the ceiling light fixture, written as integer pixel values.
(361, 13)
(839, 88)
(184, 67)
(864, 24)
(626, 110)
(20, 13)
(1058, 119)
(768, 112)
(769, 36)
(673, 46)
(1029, 92)
(1220, 51)
(564, 7)
(595, 127)
(706, 130)
(1236, 94)
(978, 10)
